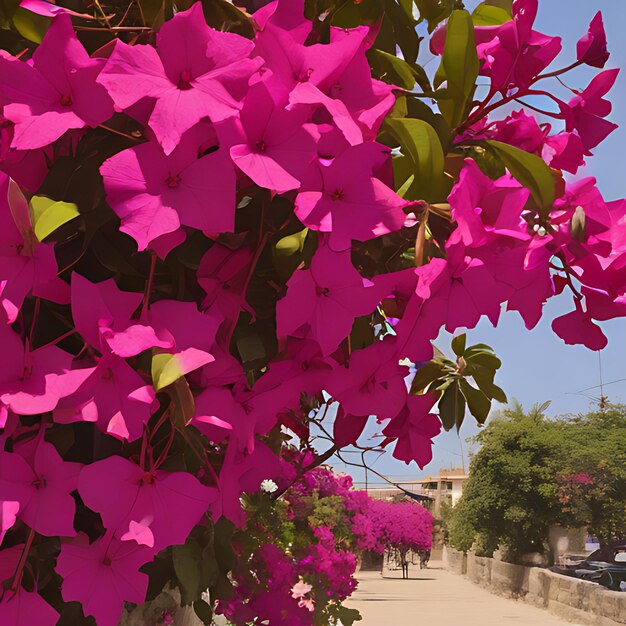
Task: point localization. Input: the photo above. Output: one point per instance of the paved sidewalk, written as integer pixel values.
(438, 597)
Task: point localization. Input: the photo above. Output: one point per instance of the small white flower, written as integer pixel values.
(269, 486)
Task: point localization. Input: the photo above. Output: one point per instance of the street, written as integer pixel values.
(437, 596)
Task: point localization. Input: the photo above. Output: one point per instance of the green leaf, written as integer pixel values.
(478, 403)
(165, 370)
(486, 359)
(292, 243)
(459, 67)
(187, 565)
(452, 406)
(404, 31)
(391, 69)
(183, 402)
(458, 344)
(204, 612)
(31, 25)
(48, 215)
(420, 141)
(507, 5)
(531, 171)
(434, 11)
(427, 374)
(489, 15)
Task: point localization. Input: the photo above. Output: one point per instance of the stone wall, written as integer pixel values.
(576, 600)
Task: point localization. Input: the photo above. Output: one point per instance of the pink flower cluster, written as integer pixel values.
(223, 119)
(300, 581)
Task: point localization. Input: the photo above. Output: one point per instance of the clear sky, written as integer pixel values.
(537, 365)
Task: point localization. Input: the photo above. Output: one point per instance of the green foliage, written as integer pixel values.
(422, 145)
(435, 11)
(450, 379)
(459, 68)
(598, 452)
(532, 472)
(48, 215)
(489, 14)
(531, 171)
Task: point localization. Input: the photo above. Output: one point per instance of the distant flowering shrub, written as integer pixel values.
(299, 554)
(214, 226)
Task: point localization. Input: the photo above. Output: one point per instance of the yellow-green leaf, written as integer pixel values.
(31, 25)
(165, 370)
(48, 215)
(488, 15)
(292, 243)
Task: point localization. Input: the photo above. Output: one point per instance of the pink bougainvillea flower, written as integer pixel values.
(523, 284)
(154, 194)
(101, 311)
(103, 575)
(414, 428)
(583, 196)
(195, 72)
(284, 14)
(511, 54)
(8, 515)
(322, 302)
(348, 428)
(592, 48)
(26, 266)
(485, 209)
(278, 145)
(217, 413)
(517, 53)
(577, 327)
(292, 62)
(307, 94)
(42, 490)
(114, 396)
(367, 99)
(34, 381)
(147, 498)
(373, 381)
(454, 293)
(23, 608)
(346, 201)
(356, 102)
(54, 94)
(585, 112)
(222, 274)
(564, 151)
(190, 333)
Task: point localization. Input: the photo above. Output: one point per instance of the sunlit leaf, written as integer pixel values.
(48, 215)
(459, 67)
(531, 171)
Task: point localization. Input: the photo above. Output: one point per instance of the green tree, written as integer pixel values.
(510, 499)
(595, 480)
(532, 472)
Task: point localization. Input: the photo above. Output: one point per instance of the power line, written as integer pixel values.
(601, 386)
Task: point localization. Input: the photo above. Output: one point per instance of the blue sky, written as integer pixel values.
(537, 365)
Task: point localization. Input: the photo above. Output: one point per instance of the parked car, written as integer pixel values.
(606, 566)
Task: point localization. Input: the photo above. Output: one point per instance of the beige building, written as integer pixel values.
(447, 486)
